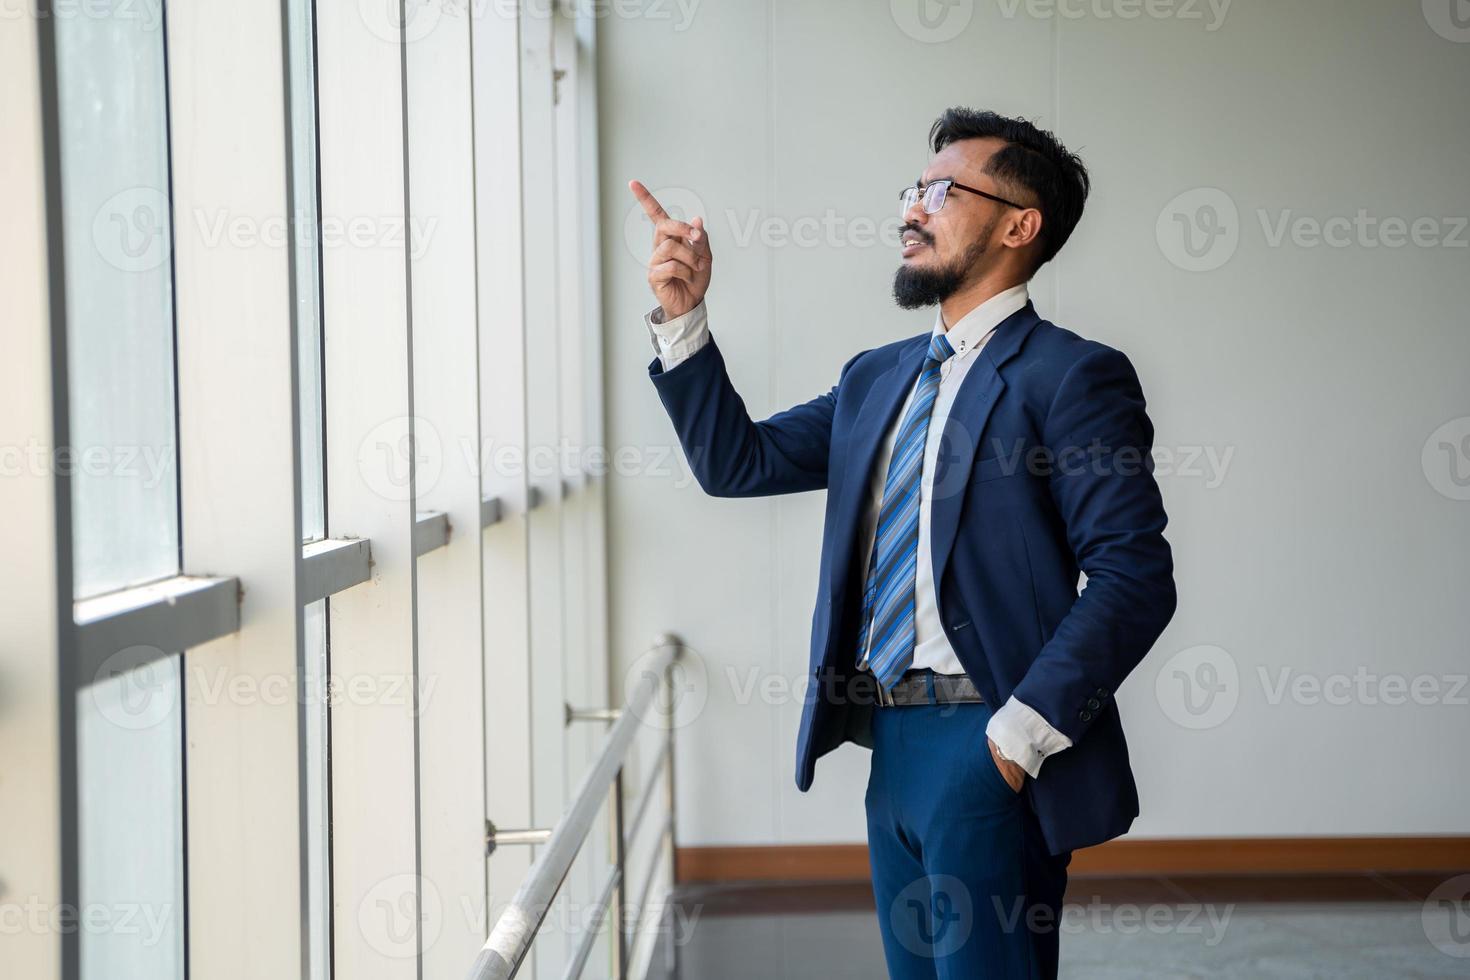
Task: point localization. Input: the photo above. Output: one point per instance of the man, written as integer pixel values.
(971, 473)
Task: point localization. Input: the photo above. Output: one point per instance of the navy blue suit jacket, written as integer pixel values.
(1044, 470)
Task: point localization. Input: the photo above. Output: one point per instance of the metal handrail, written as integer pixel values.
(511, 938)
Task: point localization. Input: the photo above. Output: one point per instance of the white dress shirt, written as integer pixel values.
(1021, 733)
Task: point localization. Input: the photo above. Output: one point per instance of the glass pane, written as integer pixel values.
(304, 204)
(318, 794)
(131, 824)
(318, 810)
(308, 265)
(120, 341)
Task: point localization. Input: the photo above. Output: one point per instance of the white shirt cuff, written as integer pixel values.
(1024, 737)
(680, 338)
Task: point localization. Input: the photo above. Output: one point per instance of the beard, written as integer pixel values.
(914, 287)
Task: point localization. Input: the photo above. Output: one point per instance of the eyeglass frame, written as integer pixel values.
(923, 191)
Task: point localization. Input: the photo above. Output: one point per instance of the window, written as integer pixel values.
(120, 339)
(131, 801)
(236, 382)
(306, 246)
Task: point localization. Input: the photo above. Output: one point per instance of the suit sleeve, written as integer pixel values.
(731, 455)
(1102, 483)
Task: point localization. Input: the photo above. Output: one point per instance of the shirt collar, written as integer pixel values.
(975, 327)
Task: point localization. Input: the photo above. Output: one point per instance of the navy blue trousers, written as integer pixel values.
(962, 879)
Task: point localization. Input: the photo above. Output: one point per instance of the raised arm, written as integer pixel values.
(730, 454)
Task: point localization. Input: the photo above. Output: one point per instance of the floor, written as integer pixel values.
(1373, 927)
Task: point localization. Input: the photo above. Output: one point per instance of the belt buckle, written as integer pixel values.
(885, 696)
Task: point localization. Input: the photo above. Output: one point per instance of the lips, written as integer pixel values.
(912, 245)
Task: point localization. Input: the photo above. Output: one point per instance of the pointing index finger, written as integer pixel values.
(650, 204)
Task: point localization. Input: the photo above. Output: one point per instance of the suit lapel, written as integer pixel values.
(968, 415)
(875, 418)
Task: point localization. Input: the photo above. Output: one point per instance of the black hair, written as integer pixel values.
(1054, 178)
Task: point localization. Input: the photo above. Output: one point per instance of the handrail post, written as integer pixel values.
(620, 896)
(670, 953)
(510, 939)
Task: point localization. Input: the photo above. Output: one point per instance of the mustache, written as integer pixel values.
(923, 235)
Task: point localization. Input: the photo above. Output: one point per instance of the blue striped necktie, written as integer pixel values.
(888, 601)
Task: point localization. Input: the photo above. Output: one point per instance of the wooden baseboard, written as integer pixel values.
(1176, 856)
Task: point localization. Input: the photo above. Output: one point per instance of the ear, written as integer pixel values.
(1024, 228)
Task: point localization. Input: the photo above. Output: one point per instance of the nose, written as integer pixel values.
(916, 215)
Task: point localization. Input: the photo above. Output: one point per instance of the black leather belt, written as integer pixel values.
(926, 687)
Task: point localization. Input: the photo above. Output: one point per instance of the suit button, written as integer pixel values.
(1102, 693)
(1094, 703)
(1084, 715)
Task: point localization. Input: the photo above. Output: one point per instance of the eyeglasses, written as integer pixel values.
(937, 191)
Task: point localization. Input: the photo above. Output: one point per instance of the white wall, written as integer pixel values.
(1329, 534)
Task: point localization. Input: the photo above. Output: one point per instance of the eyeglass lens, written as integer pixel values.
(934, 196)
